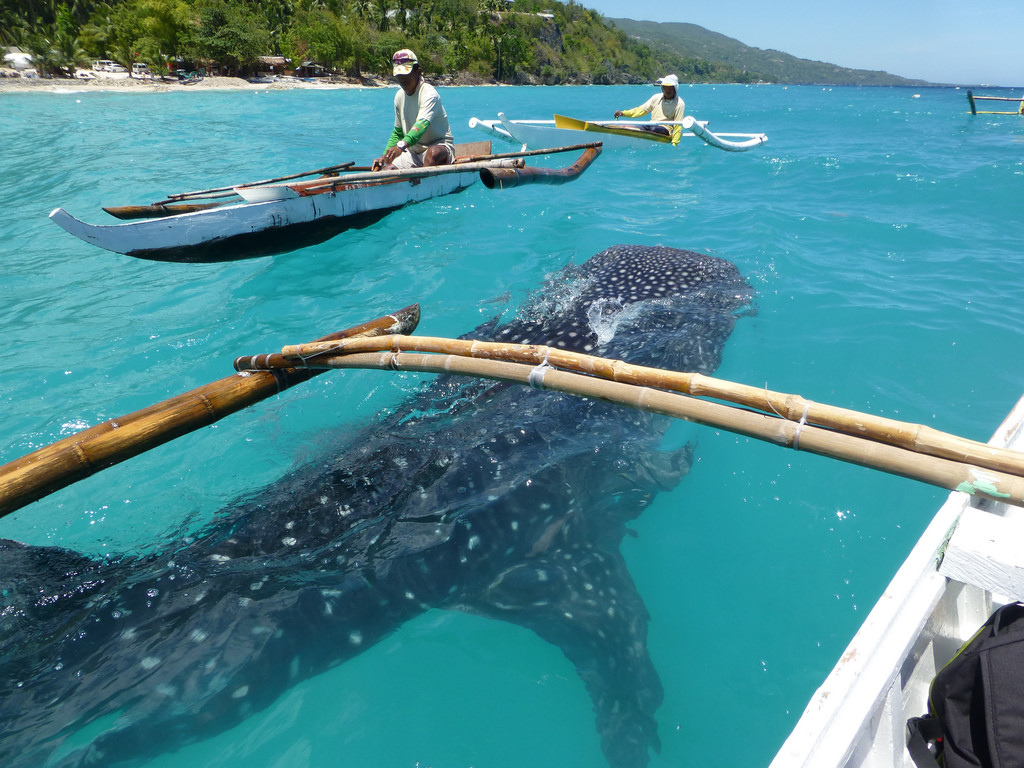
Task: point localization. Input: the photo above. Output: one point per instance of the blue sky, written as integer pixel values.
(942, 41)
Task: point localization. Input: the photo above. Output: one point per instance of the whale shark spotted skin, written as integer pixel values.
(472, 495)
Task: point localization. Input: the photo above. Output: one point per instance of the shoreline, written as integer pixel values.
(15, 83)
(156, 85)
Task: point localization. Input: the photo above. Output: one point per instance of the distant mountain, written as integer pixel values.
(690, 41)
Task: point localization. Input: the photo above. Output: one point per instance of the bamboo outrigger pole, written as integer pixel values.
(76, 457)
(908, 450)
(462, 165)
(204, 193)
(944, 473)
(912, 437)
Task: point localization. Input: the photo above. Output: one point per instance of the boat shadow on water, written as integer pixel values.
(270, 242)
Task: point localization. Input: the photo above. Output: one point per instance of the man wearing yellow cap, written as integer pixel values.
(662, 106)
(421, 135)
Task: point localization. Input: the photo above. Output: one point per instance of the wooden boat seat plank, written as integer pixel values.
(472, 148)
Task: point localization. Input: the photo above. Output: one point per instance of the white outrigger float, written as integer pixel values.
(280, 215)
(968, 562)
(614, 133)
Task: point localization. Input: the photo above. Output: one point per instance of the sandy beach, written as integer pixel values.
(13, 81)
(10, 81)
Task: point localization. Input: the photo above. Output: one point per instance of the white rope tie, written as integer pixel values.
(799, 428)
(536, 380)
(393, 360)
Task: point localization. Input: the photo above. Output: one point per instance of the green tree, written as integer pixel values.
(490, 38)
(66, 48)
(231, 34)
(320, 35)
(150, 31)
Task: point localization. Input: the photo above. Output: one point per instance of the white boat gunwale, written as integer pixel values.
(942, 593)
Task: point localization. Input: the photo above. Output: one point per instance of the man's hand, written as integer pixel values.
(618, 113)
(387, 158)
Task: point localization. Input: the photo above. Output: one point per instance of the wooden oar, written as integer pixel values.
(913, 437)
(58, 465)
(203, 193)
(952, 475)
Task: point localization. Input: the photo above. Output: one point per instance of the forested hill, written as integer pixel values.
(528, 41)
(525, 41)
(692, 41)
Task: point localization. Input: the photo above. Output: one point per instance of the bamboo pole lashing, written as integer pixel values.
(940, 472)
(66, 461)
(794, 408)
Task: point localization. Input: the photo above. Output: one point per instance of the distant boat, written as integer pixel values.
(614, 133)
(281, 215)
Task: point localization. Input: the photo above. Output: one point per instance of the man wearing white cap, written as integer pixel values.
(662, 106)
(421, 135)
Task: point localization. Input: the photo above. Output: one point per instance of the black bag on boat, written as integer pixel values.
(976, 704)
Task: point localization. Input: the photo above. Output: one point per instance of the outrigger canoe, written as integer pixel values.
(968, 562)
(280, 215)
(540, 133)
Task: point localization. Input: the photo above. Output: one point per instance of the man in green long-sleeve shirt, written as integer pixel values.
(662, 106)
(421, 135)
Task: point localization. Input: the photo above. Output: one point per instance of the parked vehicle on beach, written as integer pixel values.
(103, 65)
(141, 70)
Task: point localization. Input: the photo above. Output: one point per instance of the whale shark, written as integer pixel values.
(469, 495)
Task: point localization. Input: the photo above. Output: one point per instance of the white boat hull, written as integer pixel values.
(248, 229)
(965, 565)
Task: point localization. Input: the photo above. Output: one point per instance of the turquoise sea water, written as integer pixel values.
(880, 227)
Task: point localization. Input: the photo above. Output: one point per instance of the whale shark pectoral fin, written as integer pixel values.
(666, 468)
(584, 601)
